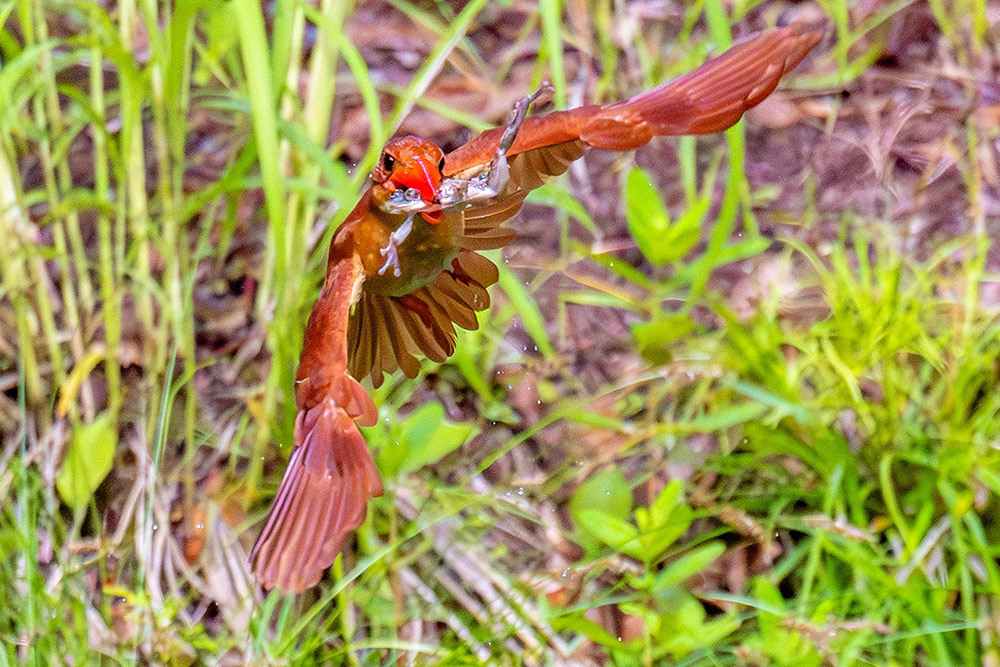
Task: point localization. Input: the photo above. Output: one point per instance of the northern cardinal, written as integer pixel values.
(404, 269)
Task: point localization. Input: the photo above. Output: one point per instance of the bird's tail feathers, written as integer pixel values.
(324, 494)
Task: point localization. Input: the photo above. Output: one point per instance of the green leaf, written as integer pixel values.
(608, 529)
(430, 437)
(587, 628)
(670, 497)
(249, 26)
(88, 461)
(688, 565)
(662, 524)
(425, 437)
(656, 541)
(725, 417)
(606, 491)
(656, 337)
(649, 222)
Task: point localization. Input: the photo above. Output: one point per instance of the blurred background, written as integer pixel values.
(735, 402)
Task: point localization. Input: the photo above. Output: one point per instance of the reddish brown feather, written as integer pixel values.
(329, 480)
(331, 474)
(709, 99)
(391, 330)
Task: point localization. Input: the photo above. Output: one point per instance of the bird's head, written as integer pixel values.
(410, 163)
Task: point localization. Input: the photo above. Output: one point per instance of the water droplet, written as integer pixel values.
(565, 573)
(200, 526)
(539, 401)
(619, 639)
(510, 386)
(155, 526)
(607, 492)
(520, 490)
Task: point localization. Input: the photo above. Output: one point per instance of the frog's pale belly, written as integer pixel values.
(427, 251)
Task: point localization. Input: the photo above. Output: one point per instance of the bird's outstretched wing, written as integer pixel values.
(389, 332)
(709, 99)
(331, 474)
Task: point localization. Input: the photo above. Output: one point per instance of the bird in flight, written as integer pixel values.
(404, 268)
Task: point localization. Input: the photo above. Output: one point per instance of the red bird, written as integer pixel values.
(404, 269)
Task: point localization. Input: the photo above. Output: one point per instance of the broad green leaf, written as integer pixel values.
(683, 626)
(656, 541)
(88, 461)
(649, 222)
(670, 497)
(606, 491)
(425, 437)
(608, 529)
(697, 636)
(587, 628)
(648, 219)
(688, 565)
(655, 338)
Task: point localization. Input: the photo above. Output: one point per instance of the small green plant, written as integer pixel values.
(674, 621)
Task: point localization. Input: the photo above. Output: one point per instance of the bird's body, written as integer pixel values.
(404, 269)
(429, 250)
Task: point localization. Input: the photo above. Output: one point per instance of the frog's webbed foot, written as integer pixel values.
(494, 181)
(391, 251)
(499, 173)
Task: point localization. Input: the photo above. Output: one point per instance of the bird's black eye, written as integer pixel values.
(441, 165)
(387, 162)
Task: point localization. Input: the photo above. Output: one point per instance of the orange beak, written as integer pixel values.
(415, 173)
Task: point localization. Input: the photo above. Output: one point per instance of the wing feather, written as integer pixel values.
(390, 331)
(423, 322)
(708, 99)
(331, 475)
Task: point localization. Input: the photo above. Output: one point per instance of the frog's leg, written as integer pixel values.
(495, 180)
(391, 251)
